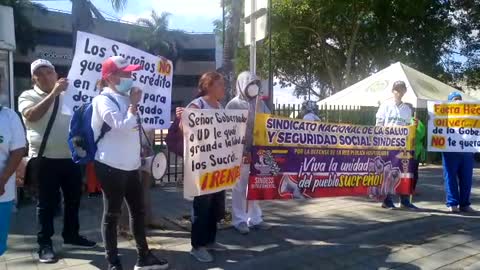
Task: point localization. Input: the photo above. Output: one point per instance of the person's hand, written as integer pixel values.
(135, 95)
(415, 122)
(179, 111)
(60, 86)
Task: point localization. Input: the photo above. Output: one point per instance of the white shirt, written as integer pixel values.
(57, 145)
(120, 147)
(311, 117)
(390, 114)
(12, 137)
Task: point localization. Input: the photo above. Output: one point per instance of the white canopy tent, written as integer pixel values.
(377, 88)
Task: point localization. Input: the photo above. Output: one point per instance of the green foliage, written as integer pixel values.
(323, 46)
(155, 37)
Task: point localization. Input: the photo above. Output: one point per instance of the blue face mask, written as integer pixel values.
(124, 85)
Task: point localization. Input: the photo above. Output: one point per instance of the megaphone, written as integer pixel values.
(155, 165)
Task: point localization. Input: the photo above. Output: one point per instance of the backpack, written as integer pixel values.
(81, 141)
(174, 138)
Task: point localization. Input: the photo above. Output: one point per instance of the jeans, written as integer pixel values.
(458, 166)
(53, 175)
(207, 211)
(117, 186)
(5, 215)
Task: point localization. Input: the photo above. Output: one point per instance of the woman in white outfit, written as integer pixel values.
(248, 88)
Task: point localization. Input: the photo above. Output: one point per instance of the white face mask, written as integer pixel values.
(252, 90)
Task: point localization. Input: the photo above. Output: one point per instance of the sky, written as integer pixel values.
(187, 15)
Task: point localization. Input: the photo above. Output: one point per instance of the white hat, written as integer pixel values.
(40, 63)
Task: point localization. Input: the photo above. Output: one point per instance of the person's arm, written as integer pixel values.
(179, 112)
(14, 159)
(380, 116)
(37, 111)
(111, 115)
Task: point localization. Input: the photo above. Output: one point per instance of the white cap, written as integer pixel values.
(40, 63)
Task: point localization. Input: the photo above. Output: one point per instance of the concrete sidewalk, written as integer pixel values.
(329, 233)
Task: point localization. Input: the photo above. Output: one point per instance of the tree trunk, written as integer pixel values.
(351, 49)
(230, 46)
(82, 19)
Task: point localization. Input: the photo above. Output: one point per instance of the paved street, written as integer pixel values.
(330, 233)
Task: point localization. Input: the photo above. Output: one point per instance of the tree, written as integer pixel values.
(25, 33)
(468, 47)
(233, 14)
(82, 19)
(155, 37)
(323, 46)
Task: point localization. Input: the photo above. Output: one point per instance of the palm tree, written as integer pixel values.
(25, 33)
(155, 37)
(82, 15)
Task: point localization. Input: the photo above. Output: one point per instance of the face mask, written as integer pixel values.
(124, 85)
(252, 90)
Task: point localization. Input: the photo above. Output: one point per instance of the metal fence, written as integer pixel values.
(355, 115)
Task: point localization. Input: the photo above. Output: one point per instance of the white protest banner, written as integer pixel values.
(453, 126)
(213, 149)
(155, 78)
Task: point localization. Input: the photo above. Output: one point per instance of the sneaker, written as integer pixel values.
(467, 209)
(150, 262)
(95, 194)
(115, 266)
(262, 226)
(242, 228)
(201, 254)
(216, 246)
(408, 205)
(46, 254)
(453, 209)
(79, 241)
(388, 204)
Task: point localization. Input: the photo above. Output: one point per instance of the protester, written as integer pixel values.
(51, 166)
(246, 215)
(117, 161)
(12, 149)
(309, 111)
(458, 165)
(396, 113)
(207, 209)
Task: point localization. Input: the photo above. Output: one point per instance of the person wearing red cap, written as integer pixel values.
(117, 161)
(51, 165)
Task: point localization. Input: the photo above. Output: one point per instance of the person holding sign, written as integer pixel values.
(396, 113)
(458, 165)
(245, 214)
(51, 164)
(207, 209)
(117, 161)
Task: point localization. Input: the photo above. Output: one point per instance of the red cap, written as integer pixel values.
(117, 63)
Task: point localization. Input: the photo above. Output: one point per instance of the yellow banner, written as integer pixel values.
(454, 109)
(279, 131)
(457, 122)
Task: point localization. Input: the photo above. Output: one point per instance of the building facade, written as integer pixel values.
(55, 43)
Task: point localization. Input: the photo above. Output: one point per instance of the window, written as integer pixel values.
(185, 80)
(56, 39)
(206, 55)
